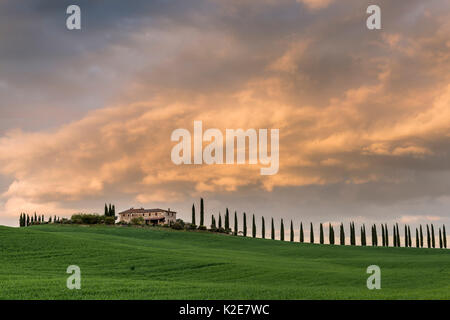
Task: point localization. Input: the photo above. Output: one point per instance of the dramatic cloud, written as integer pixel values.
(363, 115)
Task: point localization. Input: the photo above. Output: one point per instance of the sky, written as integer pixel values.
(86, 115)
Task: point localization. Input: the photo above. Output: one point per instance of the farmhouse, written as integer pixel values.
(150, 216)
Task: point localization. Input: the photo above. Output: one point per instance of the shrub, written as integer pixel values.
(221, 230)
(181, 222)
(137, 221)
(110, 220)
(202, 228)
(85, 219)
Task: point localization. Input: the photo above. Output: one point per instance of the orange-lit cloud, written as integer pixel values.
(354, 108)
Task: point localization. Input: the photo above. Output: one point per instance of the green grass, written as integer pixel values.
(152, 263)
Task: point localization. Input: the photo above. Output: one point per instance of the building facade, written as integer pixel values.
(150, 216)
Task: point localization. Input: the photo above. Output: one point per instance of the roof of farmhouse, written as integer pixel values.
(142, 210)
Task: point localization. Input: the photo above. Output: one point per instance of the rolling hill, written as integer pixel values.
(159, 263)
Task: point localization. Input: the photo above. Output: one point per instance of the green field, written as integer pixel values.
(153, 263)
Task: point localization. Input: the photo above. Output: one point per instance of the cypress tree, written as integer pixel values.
(399, 243)
(193, 215)
(109, 210)
(394, 236)
(213, 222)
(28, 220)
(106, 210)
(227, 220)
(417, 239)
(331, 236)
(363, 235)
(375, 233)
(383, 239)
(432, 236)
(406, 236)
(302, 239)
(321, 237)
(20, 220)
(352, 234)
(292, 232)
(235, 224)
(202, 212)
(444, 236)
(440, 238)
(342, 235)
(428, 237)
(245, 225)
(421, 237)
(282, 230)
(220, 221)
(263, 228)
(373, 237)
(386, 236)
(272, 234)
(253, 227)
(113, 211)
(409, 237)
(311, 234)
(50, 219)
(386, 233)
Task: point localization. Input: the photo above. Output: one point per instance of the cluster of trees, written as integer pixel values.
(216, 225)
(110, 210)
(26, 220)
(397, 241)
(86, 218)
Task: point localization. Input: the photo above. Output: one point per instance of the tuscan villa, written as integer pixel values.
(150, 216)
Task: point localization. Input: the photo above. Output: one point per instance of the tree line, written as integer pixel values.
(376, 231)
(26, 220)
(109, 217)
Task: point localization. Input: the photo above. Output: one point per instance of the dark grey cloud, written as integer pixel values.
(131, 51)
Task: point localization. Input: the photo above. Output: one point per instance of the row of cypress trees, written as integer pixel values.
(26, 220)
(331, 235)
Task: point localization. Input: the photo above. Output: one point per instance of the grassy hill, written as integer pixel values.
(152, 263)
